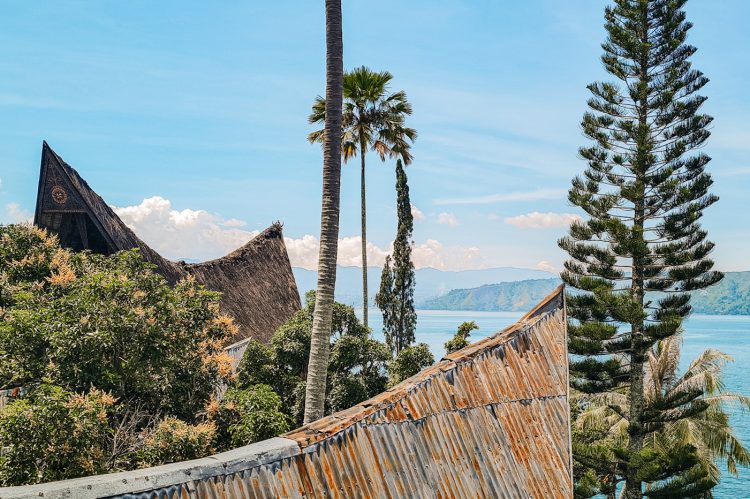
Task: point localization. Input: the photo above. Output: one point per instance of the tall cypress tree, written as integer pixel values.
(396, 295)
(642, 250)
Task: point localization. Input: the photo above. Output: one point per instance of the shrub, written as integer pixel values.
(84, 320)
(356, 368)
(51, 434)
(247, 416)
(173, 440)
(461, 338)
(409, 362)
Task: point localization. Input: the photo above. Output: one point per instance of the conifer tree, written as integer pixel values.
(396, 295)
(642, 250)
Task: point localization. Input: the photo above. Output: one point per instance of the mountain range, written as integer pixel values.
(430, 283)
(507, 289)
(731, 296)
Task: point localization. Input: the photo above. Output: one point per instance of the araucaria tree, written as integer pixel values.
(373, 118)
(641, 250)
(396, 295)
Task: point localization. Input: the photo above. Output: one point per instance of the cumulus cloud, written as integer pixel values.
(509, 196)
(433, 254)
(536, 220)
(234, 222)
(198, 235)
(416, 213)
(545, 265)
(178, 234)
(303, 253)
(17, 215)
(447, 219)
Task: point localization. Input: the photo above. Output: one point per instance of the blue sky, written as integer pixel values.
(200, 109)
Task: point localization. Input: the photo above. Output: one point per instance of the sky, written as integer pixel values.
(190, 118)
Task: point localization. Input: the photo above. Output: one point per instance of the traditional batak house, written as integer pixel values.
(256, 280)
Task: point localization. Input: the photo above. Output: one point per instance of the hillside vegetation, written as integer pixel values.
(731, 296)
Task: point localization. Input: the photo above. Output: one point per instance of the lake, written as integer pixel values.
(727, 333)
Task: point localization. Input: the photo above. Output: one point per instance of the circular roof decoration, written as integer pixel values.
(59, 195)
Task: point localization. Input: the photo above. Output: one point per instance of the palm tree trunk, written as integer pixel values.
(317, 368)
(365, 304)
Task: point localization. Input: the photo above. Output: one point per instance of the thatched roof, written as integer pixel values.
(256, 280)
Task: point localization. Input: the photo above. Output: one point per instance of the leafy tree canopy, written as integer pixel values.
(356, 368)
(82, 320)
(461, 338)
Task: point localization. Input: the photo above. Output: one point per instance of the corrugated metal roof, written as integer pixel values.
(491, 420)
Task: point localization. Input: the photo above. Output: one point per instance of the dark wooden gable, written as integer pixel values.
(256, 280)
(62, 209)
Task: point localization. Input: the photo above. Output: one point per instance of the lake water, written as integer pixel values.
(729, 334)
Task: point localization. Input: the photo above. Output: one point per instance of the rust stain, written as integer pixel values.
(491, 420)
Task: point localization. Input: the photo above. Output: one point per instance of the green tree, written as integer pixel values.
(173, 440)
(707, 426)
(247, 415)
(52, 434)
(461, 338)
(373, 119)
(356, 369)
(396, 295)
(81, 320)
(329, 217)
(644, 193)
(408, 362)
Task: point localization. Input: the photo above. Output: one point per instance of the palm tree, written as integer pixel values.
(705, 424)
(373, 119)
(329, 221)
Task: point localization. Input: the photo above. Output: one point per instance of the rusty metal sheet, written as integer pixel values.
(491, 420)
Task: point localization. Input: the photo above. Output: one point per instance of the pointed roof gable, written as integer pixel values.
(256, 280)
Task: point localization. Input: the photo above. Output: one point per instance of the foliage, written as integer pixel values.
(705, 425)
(52, 434)
(373, 119)
(396, 296)
(173, 440)
(461, 338)
(356, 367)
(83, 320)
(409, 362)
(371, 114)
(247, 415)
(517, 296)
(644, 194)
(26, 256)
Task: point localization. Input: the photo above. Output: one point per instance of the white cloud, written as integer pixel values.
(536, 220)
(234, 222)
(545, 265)
(17, 215)
(510, 196)
(448, 219)
(416, 213)
(190, 234)
(303, 253)
(200, 235)
(433, 254)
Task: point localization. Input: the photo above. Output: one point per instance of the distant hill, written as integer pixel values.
(505, 296)
(731, 296)
(431, 283)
